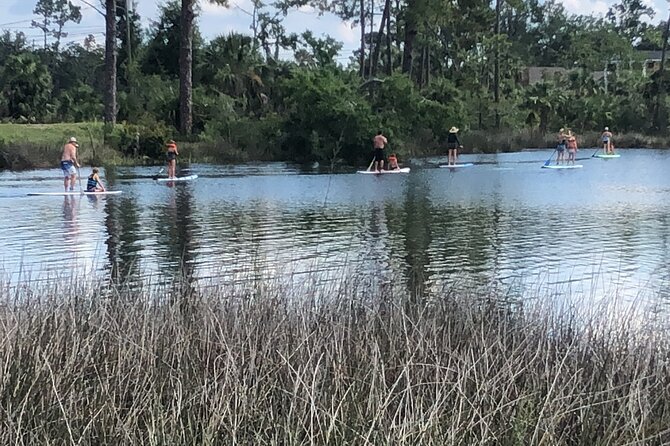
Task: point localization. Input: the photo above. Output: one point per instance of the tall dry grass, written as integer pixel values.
(87, 364)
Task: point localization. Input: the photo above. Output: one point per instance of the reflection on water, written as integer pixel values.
(505, 222)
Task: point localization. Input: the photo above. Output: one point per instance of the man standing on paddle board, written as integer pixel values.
(562, 144)
(380, 142)
(68, 161)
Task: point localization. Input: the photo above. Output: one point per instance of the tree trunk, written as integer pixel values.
(110, 62)
(186, 67)
(378, 42)
(411, 30)
(389, 61)
(362, 20)
(660, 93)
(496, 67)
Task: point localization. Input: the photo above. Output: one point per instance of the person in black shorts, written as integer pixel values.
(379, 142)
(453, 144)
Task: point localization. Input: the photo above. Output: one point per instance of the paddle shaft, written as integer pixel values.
(79, 177)
(546, 163)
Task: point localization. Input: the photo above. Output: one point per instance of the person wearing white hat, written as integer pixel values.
(606, 138)
(453, 144)
(68, 161)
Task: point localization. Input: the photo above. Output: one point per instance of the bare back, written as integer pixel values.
(69, 152)
(380, 141)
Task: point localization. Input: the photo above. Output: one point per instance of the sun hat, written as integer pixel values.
(607, 128)
(72, 139)
(453, 130)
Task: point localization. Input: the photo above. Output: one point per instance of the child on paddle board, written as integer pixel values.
(572, 147)
(171, 155)
(393, 162)
(94, 184)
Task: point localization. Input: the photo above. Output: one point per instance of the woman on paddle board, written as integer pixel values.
(171, 155)
(453, 144)
(606, 139)
(572, 147)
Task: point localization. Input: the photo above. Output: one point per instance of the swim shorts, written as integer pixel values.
(171, 156)
(379, 154)
(560, 147)
(452, 145)
(68, 168)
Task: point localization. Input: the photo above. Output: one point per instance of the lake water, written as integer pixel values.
(505, 221)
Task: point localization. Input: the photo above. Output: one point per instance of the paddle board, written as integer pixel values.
(456, 166)
(602, 155)
(563, 166)
(107, 192)
(403, 170)
(186, 178)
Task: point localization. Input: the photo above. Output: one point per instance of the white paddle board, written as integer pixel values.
(107, 192)
(563, 166)
(186, 178)
(372, 172)
(602, 155)
(456, 166)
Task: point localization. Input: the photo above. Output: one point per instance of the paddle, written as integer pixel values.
(371, 163)
(546, 163)
(155, 177)
(81, 190)
(596, 152)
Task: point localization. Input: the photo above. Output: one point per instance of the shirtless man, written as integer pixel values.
(68, 161)
(379, 142)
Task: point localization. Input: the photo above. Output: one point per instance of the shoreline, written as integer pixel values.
(33, 146)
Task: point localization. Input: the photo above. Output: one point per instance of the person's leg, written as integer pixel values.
(73, 180)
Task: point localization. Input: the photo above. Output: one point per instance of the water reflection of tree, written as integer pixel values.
(413, 224)
(177, 245)
(123, 236)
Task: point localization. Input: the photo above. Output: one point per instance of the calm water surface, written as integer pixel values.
(504, 221)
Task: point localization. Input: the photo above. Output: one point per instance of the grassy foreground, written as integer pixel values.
(85, 364)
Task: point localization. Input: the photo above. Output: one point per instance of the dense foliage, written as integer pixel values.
(431, 64)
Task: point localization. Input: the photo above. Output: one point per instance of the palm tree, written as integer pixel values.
(186, 64)
(110, 62)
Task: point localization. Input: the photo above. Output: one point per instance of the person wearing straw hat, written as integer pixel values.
(453, 144)
(68, 161)
(606, 139)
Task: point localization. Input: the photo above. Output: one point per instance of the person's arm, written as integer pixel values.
(97, 178)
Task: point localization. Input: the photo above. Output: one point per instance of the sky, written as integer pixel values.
(16, 15)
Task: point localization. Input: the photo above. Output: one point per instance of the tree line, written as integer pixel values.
(423, 66)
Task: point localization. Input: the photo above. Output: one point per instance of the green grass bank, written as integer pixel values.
(92, 364)
(28, 146)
